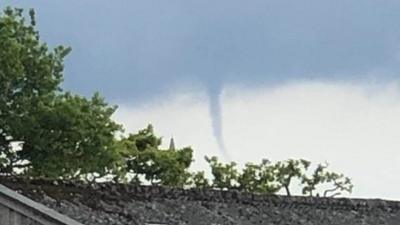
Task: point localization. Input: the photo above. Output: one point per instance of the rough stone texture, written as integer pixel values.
(117, 204)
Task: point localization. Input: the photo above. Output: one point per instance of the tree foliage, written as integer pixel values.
(225, 175)
(259, 178)
(338, 182)
(159, 166)
(71, 137)
(288, 170)
(60, 134)
(30, 75)
(270, 178)
(199, 180)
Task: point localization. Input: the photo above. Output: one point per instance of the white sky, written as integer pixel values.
(353, 126)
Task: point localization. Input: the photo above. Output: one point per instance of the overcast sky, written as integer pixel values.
(246, 79)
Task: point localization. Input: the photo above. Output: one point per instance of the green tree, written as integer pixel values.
(260, 178)
(225, 176)
(60, 134)
(338, 182)
(199, 180)
(160, 167)
(30, 74)
(270, 178)
(330, 183)
(288, 170)
(71, 138)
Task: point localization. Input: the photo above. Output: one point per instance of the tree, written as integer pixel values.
(59, 134)
(339, 183)
(199, 180)
(71, 137)
(258, 178)
(225, 175)
(160, 167)
(270, 178)
(291, 169)
(288, 170)
(29, 74)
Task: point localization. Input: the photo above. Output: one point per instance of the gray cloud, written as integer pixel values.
(138, 50)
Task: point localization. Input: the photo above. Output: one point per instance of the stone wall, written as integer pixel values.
(119, 204)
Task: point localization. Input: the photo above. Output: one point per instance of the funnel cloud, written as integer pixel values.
(214, 98)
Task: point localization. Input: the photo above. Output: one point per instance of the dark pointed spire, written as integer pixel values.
(172, 144)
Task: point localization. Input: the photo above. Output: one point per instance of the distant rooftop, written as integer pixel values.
(121, 204)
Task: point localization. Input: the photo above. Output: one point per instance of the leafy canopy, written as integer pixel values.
(60, 134)
(144, 157)
(270, 178)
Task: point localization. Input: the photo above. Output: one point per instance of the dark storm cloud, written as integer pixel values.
(136, 50)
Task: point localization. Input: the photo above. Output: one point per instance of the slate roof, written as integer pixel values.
(117, 204)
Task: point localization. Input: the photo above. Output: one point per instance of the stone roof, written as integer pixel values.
(115, 204)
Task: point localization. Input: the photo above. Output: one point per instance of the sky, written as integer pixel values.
(245, 80)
